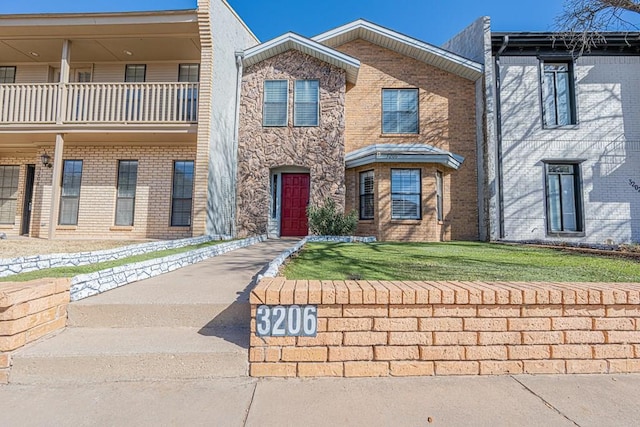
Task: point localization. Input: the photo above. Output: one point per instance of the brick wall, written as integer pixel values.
(29, 311)
(447, 120)
(96, 216)
(368, 329)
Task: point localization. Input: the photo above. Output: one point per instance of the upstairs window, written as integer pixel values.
(305, 103)
(564, 202)
(135, 73)
(7, 75)
(366, 195)
(189, 73)
(188, 97)
(557, 94)
(406, 194)
(400, 111)
(275, 103)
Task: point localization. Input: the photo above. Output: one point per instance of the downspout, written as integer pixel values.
(236, 133)
(503, 47)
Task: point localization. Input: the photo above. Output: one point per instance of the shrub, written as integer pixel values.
(327, 220)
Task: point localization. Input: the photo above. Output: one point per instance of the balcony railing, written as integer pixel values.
(74, 103)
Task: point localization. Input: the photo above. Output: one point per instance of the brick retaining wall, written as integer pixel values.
(29, 311)
(368, 329)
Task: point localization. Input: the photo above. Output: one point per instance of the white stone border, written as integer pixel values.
(86, 285)
(274, 266)
(11, 266)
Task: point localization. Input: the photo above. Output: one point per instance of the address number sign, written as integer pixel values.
(287, 321)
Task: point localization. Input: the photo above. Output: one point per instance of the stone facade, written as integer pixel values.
(319, 149)
(447, 120)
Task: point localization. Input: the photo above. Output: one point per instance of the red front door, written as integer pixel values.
(295, 197)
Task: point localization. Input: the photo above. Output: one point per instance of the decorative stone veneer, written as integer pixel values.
(86, 285)
(370, 328)
(11, 266)
(447, 115)
(320, 149)
(29, 311)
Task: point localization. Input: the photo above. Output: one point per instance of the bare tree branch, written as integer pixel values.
(582, 23)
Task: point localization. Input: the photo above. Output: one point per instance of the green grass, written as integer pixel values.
(92, 268)
(455, 261)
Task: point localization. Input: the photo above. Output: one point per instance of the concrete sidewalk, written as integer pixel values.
(567, 400)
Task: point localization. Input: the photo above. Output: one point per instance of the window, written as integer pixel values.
(189, 73)
(564, 204)
(7, 75)
(70, 197)
(400, 111)
(405, 194)
(439, 193)
(305, 103)
(274, 197)
(366, 195)
(8, 193)
(275, 103)
(182, 194)
(126, 196)
(557, 94)
(135, 73)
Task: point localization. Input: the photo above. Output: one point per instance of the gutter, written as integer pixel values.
(503, 47)
(236, 133)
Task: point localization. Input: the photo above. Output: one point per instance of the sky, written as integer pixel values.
(433, 21)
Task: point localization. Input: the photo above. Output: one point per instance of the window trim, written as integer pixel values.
(15, 70)
(295, 92)
(133, 212)
(361, 195)
(579, 199)
(415, 89)
(264, 103)
(173, 175)
(573, 96)
(15, 210)
(185, 64)
(64, 162)
(419, 218)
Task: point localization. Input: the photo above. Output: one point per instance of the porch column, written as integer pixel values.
(56, 181)
(64, 79)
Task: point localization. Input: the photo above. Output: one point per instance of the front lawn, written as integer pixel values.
(454, 261)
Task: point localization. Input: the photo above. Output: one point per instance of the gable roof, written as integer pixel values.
(402, 153)
(310, 47)
(403, 45)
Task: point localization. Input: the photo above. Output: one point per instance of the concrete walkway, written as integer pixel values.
(568, 400)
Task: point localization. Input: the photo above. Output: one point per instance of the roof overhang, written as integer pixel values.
(403, 45)
(543, 43)
(312, 48)
(402, 153)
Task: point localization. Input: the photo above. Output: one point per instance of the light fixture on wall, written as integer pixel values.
(46, 160)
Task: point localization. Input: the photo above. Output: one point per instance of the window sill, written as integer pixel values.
(399, 135)
(121, 228)
(66, 227)
(566, 234)
(366, 221)
(406, 221)
(567, 127)
(180, 227)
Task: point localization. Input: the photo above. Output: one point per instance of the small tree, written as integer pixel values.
(582, 22)
(327, 220)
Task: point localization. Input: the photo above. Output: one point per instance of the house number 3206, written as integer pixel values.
(287, 321)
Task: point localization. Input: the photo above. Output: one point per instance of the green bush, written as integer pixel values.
(327, 220)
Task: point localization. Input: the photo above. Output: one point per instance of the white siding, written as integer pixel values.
(157, 72)
(32, 73)
(107, 73)
(607, 138)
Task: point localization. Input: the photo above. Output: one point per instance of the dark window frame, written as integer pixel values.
(572, 88)
(15, 191)
(417, 92)
(144, 74)
(578, 198)
(174, 199)
(365, 195)
(439, 196)
(419, 194)
(265, 104)
(119, 197)
(64, 198)
(295, 103)
(188, 64)
(7, 67)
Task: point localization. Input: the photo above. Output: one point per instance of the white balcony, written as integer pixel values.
(98, 103)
